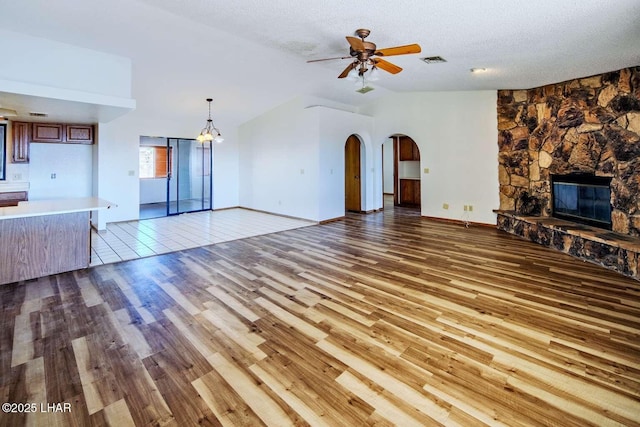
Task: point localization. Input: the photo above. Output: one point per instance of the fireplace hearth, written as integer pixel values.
(582, 198)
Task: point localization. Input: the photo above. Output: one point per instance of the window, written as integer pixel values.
(155, 162)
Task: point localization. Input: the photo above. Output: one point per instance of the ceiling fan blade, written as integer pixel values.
(346, 71)
(399, 50)
(356, 44)
(329, 59)
(387, 66)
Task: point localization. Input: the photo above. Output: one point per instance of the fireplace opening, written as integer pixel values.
(582, 198)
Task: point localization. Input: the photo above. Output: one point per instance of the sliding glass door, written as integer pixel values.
(189, 185)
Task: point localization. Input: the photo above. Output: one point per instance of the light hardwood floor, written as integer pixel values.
(380, 319)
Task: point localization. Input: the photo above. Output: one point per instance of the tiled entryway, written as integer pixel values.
(136, 239)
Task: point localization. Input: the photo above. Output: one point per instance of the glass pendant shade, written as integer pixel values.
(353, 74)
(374, 74)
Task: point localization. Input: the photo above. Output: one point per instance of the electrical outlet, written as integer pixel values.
(445, 206)
(53, 176)
(426, 170)
(466, 208)
(470, 208)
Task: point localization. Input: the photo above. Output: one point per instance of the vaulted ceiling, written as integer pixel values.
(251, 55)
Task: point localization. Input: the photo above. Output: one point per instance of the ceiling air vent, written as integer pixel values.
(433, 59)
(33, 114)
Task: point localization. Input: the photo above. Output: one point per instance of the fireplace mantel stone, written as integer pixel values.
(615, 251)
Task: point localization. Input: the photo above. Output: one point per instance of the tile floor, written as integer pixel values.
(137, 239)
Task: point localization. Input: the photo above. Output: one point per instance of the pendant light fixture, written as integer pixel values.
(210, 132)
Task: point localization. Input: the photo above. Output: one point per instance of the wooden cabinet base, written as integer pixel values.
(12, 198)
(409, 192)
(38, 246)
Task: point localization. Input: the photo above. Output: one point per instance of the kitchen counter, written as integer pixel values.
(53, 207)
(44, 237)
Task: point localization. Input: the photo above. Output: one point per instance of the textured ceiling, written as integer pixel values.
(251, 54)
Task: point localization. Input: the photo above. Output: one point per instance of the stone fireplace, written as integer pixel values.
(587, 128)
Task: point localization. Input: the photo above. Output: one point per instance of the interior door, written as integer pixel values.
(189, 185)
(352, 186)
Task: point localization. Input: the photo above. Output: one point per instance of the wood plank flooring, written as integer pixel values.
(380, 319)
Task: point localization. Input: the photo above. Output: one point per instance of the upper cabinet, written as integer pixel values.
(21, 137)
(79, 134)
(26, 133)
(60, 132)
(408, 149)
(47, 132)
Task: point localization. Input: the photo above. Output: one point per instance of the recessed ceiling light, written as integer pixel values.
(478, 70)
(433, 59)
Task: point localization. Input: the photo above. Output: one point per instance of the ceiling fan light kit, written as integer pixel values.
(366, 58)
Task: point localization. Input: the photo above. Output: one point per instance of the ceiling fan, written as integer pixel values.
(365, 55)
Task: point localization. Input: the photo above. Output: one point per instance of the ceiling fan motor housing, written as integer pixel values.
(365, 55)
(362, 33)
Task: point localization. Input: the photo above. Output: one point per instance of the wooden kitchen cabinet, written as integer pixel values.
(408, 149)
(79, 134)
(410, 192)
(21, 136)
(47, 132)
(24, 133)
(12, 198)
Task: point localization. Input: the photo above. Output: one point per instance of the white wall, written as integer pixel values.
(456, 133)
(71, 165)
(335, 127)
(153, 190)
(44, 62)
(387, 148)
(292, 160)
(409, 169)
(279, 161)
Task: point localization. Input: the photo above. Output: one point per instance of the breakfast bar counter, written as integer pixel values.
(44, 237)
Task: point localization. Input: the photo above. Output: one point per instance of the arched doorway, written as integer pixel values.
(352, 173)
(401, 170)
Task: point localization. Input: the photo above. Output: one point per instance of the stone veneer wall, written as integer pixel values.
(587, 125)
